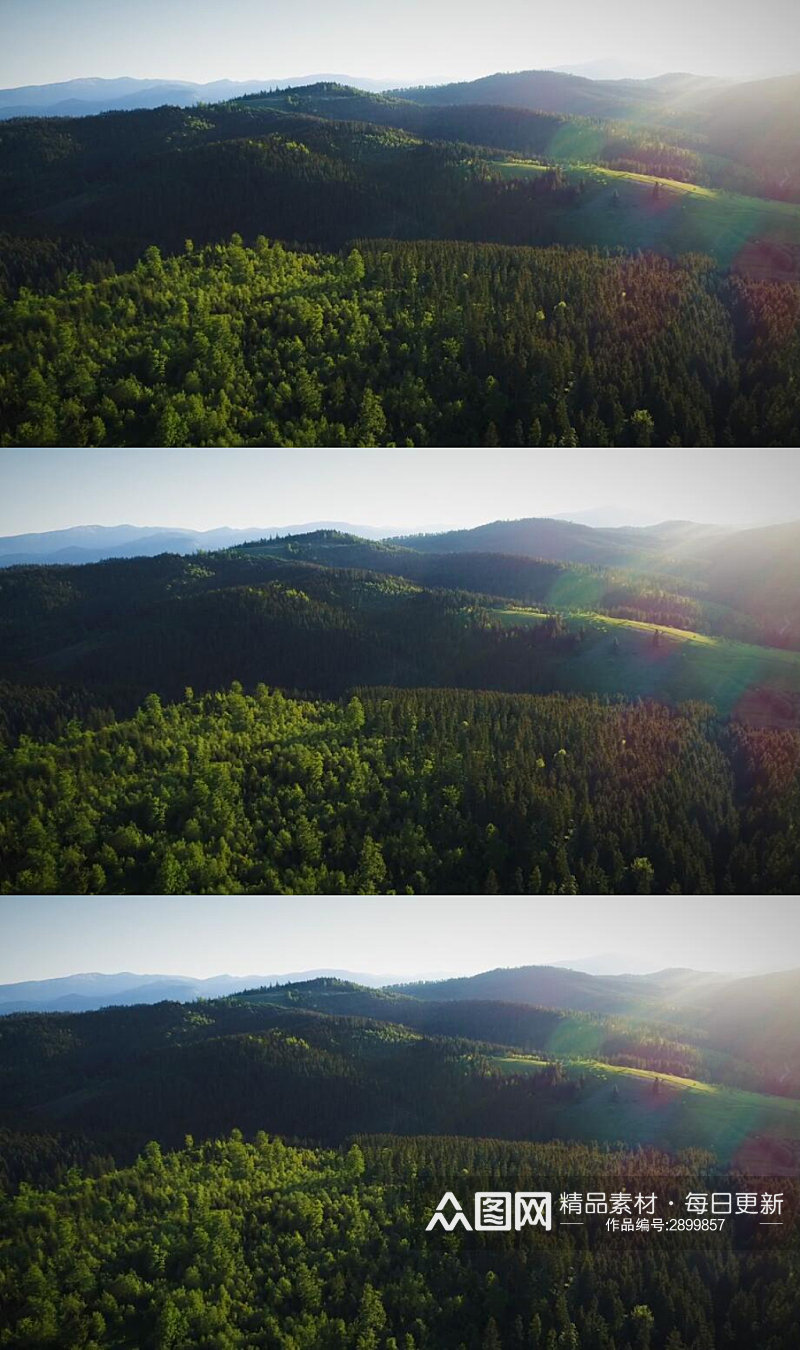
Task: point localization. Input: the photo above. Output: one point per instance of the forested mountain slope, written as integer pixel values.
(557, 136)
(755, 570)
(122, 1076)
(403, 792)
(325, 612)
(125, 181)
(751, 121)
(234, 1243)
(403, 344)
(548, 90)
(569, 541)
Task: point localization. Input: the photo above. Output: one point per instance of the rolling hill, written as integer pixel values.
(564, 540)
(87, 97)
(751, 121)
(545, 91)
(545, 986)
(95, 543)
(756, 121)
(122, 1076)
(327, 611)
(91, 991)
(125, 181)
(754, 569)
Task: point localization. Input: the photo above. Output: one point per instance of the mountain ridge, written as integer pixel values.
(92, 990)
(90, 95)
(95, 543)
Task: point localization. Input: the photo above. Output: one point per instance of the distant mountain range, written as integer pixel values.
(604, 88)
(76, 98)
(566, 540)
(93, 543)
(560, 91)
(85, 992)
(592, 985)
(563, 987)
(583, 537)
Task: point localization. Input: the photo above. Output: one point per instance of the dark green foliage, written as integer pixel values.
(525, 131)
(231, 1244)
(122, 1076)
(403, 792)
(560, 135)
(706, 1038)
(752, 126)
(41, 711)
(402, 344)
(128, 628)
(45, 264)
(322, 1059)
(112, 185)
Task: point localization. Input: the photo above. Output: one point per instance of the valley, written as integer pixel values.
(324, 1060)
(620, 208)
(343, 254)
(324, 714)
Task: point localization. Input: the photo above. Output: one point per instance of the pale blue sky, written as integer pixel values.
(394, 489)
(47, 936)
(405, 41)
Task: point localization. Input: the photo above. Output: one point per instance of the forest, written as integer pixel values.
(322, 1060)
(137, 1212)
(406, 344)
(278, 718)
(403, 792)
(228, 1244)
(325, 267)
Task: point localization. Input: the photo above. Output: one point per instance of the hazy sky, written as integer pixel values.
(201, 489)
(407, 40)
(47, 936)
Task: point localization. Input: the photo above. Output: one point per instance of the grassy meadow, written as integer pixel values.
(622, 209)
(615, 1102)
(627, 656)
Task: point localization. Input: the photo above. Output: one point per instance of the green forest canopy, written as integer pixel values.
(402, 344)
(403, 792)
(228, 1244)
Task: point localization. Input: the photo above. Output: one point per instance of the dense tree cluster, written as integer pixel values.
(317, 1062)
(409, 344)
(117, 631)
(282, 1068)
(232, 1244)
(403, 792)
(677, 153)
(638, 1040)
(324, 612)
(156, 177)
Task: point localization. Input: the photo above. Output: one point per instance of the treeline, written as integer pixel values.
(402, 344)
(120, 182)
(403, 792)
(114, 1079)
(230, 1244)
(175, 622)
(673, 151)
(683, 1048)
